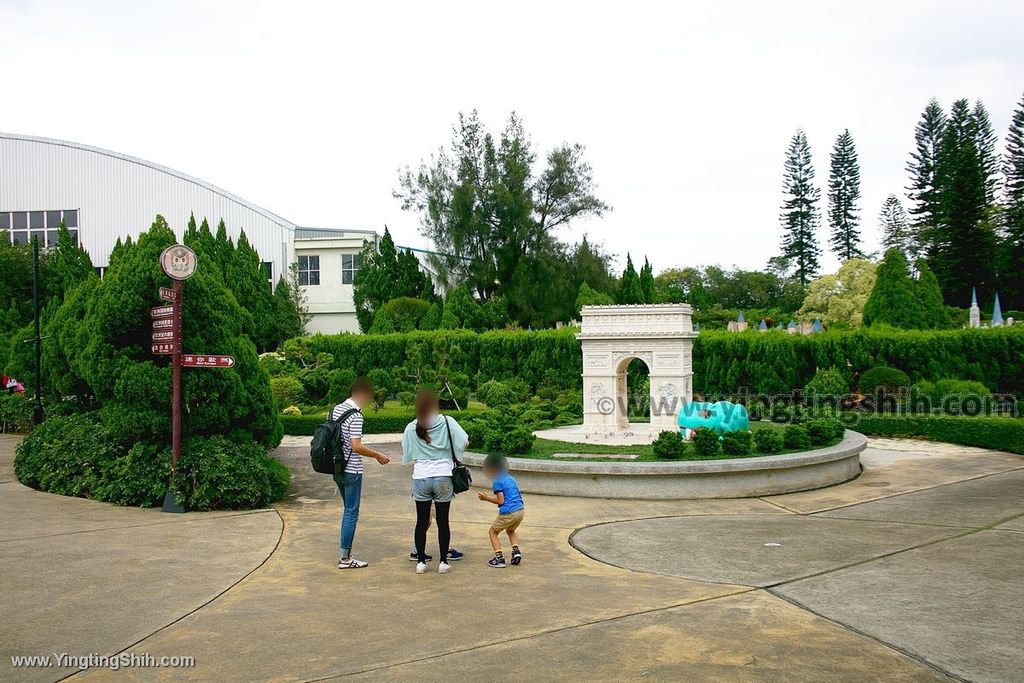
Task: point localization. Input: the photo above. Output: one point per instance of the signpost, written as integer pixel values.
(178, 263)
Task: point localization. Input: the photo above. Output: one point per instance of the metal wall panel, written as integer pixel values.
(117, 195)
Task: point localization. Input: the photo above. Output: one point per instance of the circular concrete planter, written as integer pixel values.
(732, 478)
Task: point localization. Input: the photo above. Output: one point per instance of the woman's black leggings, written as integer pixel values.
(444, 532)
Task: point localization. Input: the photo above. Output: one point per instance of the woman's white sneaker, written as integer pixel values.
(350, 563)
(421, 567)
(444, 568)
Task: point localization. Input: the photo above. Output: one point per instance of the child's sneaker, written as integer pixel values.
(454, 554)
(443, 568)
(517, 556)
(421, 567)
(498, 562)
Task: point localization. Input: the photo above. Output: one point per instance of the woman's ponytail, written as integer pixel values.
(426, 407)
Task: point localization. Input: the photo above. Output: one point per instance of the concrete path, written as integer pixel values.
(909, 573)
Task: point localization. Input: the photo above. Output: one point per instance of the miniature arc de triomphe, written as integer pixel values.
(661, 335)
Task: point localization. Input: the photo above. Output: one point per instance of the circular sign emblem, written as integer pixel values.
(178, 262)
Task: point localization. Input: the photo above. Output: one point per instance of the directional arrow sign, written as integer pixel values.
(163, 324)
(163, 347)
(163, 335)
(196, 360)
(168, 294)
(161, 311)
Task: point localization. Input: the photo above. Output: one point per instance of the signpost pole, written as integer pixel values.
(176, 379)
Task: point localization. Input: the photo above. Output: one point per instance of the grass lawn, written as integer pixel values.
(545, 449)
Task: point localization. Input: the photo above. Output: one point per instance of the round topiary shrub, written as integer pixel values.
(768, 440)
(517, 441)
(494, 394)
(705, 442)
(286, 390)
(821, 431)
(795, 437)
(827, 382)
(884, 378)
(669, 445)
(736, 443)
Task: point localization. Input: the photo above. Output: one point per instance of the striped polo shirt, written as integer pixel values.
(351, 428)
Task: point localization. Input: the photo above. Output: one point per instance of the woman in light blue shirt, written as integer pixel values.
(428, 443)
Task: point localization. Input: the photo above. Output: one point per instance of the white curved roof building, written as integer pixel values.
(102, 195)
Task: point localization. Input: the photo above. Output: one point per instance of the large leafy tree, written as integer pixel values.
(1013, 215)
(924, 191)
(492, 210)
(800, 210)
(963, 245)
(840, 297)
(896, 231)
(386, 273)
(593, 266)
(843, 195)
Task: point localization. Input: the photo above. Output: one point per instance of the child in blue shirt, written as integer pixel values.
(510, 509)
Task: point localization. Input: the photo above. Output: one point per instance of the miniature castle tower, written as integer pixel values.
(739, 324)
(974, 317)
(997, 313)
(817, 327)
(763, 327)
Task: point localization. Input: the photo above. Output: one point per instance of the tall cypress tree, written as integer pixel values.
(647, 282)
(985, 140)
(245, 276)
(629, 288)
(896, 233)
(225, 249)
(1013, 216)
(893, 300)
(843, 195)
(963, 251)
(929, 298)
(923, 192)
(800, 210)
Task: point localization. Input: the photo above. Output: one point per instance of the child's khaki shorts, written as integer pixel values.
(508, 522)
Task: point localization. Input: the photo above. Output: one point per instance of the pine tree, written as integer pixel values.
(647, 282)
(985, 140)
(245, 276)
(896, 232)
(431, 320)
(929, 298)
(1013, 216)
(68, 265)
(843, 195)
(800, 210)
(288, 322)
(924, 191)
(893, 300)
(386, 273)
(225, 249)
(630, 291)
(962, 252)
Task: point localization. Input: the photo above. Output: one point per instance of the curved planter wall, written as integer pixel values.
(733, 478)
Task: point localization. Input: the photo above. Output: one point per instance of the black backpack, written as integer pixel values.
(325, 450)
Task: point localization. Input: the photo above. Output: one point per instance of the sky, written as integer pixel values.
(686, 109)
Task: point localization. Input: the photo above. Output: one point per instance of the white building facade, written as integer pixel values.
(102, 196)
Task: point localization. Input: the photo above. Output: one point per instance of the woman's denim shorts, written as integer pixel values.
(437, 489)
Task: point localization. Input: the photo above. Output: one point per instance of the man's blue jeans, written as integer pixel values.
(350, 486)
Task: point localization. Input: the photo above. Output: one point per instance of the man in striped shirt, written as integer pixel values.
(350, 482)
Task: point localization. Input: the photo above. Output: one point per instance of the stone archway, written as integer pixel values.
(661, 335)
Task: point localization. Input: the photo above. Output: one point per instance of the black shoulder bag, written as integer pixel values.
(461, 479)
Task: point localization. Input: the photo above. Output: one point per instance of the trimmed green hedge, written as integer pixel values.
(998, 433)
(724, 362)
(305, 425)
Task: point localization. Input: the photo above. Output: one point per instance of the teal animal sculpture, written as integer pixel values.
(723, 416)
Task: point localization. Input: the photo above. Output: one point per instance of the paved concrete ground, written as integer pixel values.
(909, 573)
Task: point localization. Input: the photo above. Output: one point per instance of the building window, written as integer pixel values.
(349, 266)
(268, 271)
(309, 270)
(22, 226)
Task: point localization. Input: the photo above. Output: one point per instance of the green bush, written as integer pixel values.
(951, 396)
(406, 312)
(76, 455)
(705, 442)
(821, 431)
(286, 391)
(997, 433)
(669, 445)
(767, 441)
(889, 380)
(795, 437)
(736, 443)
(827, 382)
(494, 393)
(15, 412)
(518, 440)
